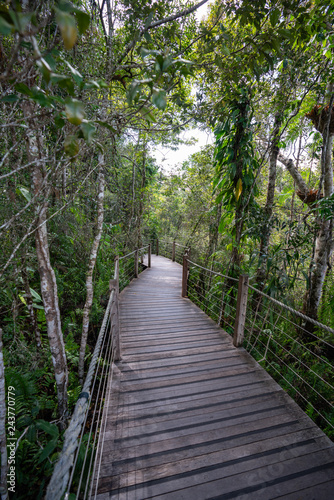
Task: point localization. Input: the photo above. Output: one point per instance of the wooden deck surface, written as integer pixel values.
(193, 418)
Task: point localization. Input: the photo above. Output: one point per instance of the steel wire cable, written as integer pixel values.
(84, 424)
(97, 408)
(213, 272)
(61, 475)
(105, 378)
(300, 327)
(303, 346)
(302, 379)
(294, 311)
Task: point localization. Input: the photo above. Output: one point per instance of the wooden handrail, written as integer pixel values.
(185, 274)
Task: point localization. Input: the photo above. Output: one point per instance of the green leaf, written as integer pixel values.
(91, 84)
(148, 37)
(21, 19)
(59, 121)
(148, 115)
(225, 50)
(149, 19)
(75, 73)
(48, 428)
(145, 52)
(83, 20)
(47, 450)
(25, 193)
(106, 125)
(68, 30)
(35, 295)
(159, 99)
(75, 111)
(88, 130)
(45, 69)
(5, 27)
(10, 98)
(67, 84)
(40, 97)
(132, 92)
(166, 63)
(274, 17)
(24, 89)
(71, 145)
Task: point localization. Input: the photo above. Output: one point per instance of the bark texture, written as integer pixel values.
(323, 240)
(268, 209)
(31, 310)
(49, 290)
(91, 266)
(3, 441)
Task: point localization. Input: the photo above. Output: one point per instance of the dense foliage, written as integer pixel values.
(88, 90)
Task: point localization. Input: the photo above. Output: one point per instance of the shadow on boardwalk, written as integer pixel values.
(193, 418)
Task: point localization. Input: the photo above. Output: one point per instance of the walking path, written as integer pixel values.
(192, 417)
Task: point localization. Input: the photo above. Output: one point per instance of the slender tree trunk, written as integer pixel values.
(3, 441)
(49, 292)
(110, 35)
(31, 310)
(49, 289)
(142, 199)
(91, 266)
(213, 234)
(268, 209)
(323, 240)
(323, 243)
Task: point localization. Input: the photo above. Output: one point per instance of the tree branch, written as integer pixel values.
(168, 19)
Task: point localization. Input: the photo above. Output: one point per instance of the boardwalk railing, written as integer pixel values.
(79, 460)
(296, 350)
(171, 250)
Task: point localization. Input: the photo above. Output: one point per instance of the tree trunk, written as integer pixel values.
(268, 209)
(213, 234)
(142, 199)
(49, 289)
(31, 310)
(91, 266)
(323, 241)
(3, 441)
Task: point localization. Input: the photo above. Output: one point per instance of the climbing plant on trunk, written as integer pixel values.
(236, 165)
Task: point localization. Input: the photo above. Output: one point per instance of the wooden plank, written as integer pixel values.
(233, 480)
(215, 426)
(194, 417)
(217, 463)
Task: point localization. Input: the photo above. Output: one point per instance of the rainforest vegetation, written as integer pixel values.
(89, 89)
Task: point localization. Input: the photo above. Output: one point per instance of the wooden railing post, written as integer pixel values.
(149, 255)
(185, 274)
(157, 246)
(115, 321)
(136, 263)
(173, 252)
(240, 318)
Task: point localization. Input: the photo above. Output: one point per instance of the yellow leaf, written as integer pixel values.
(238, 189)
(22, 299)
(68, 28)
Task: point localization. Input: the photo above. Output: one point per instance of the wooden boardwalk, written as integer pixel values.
(192, 418)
